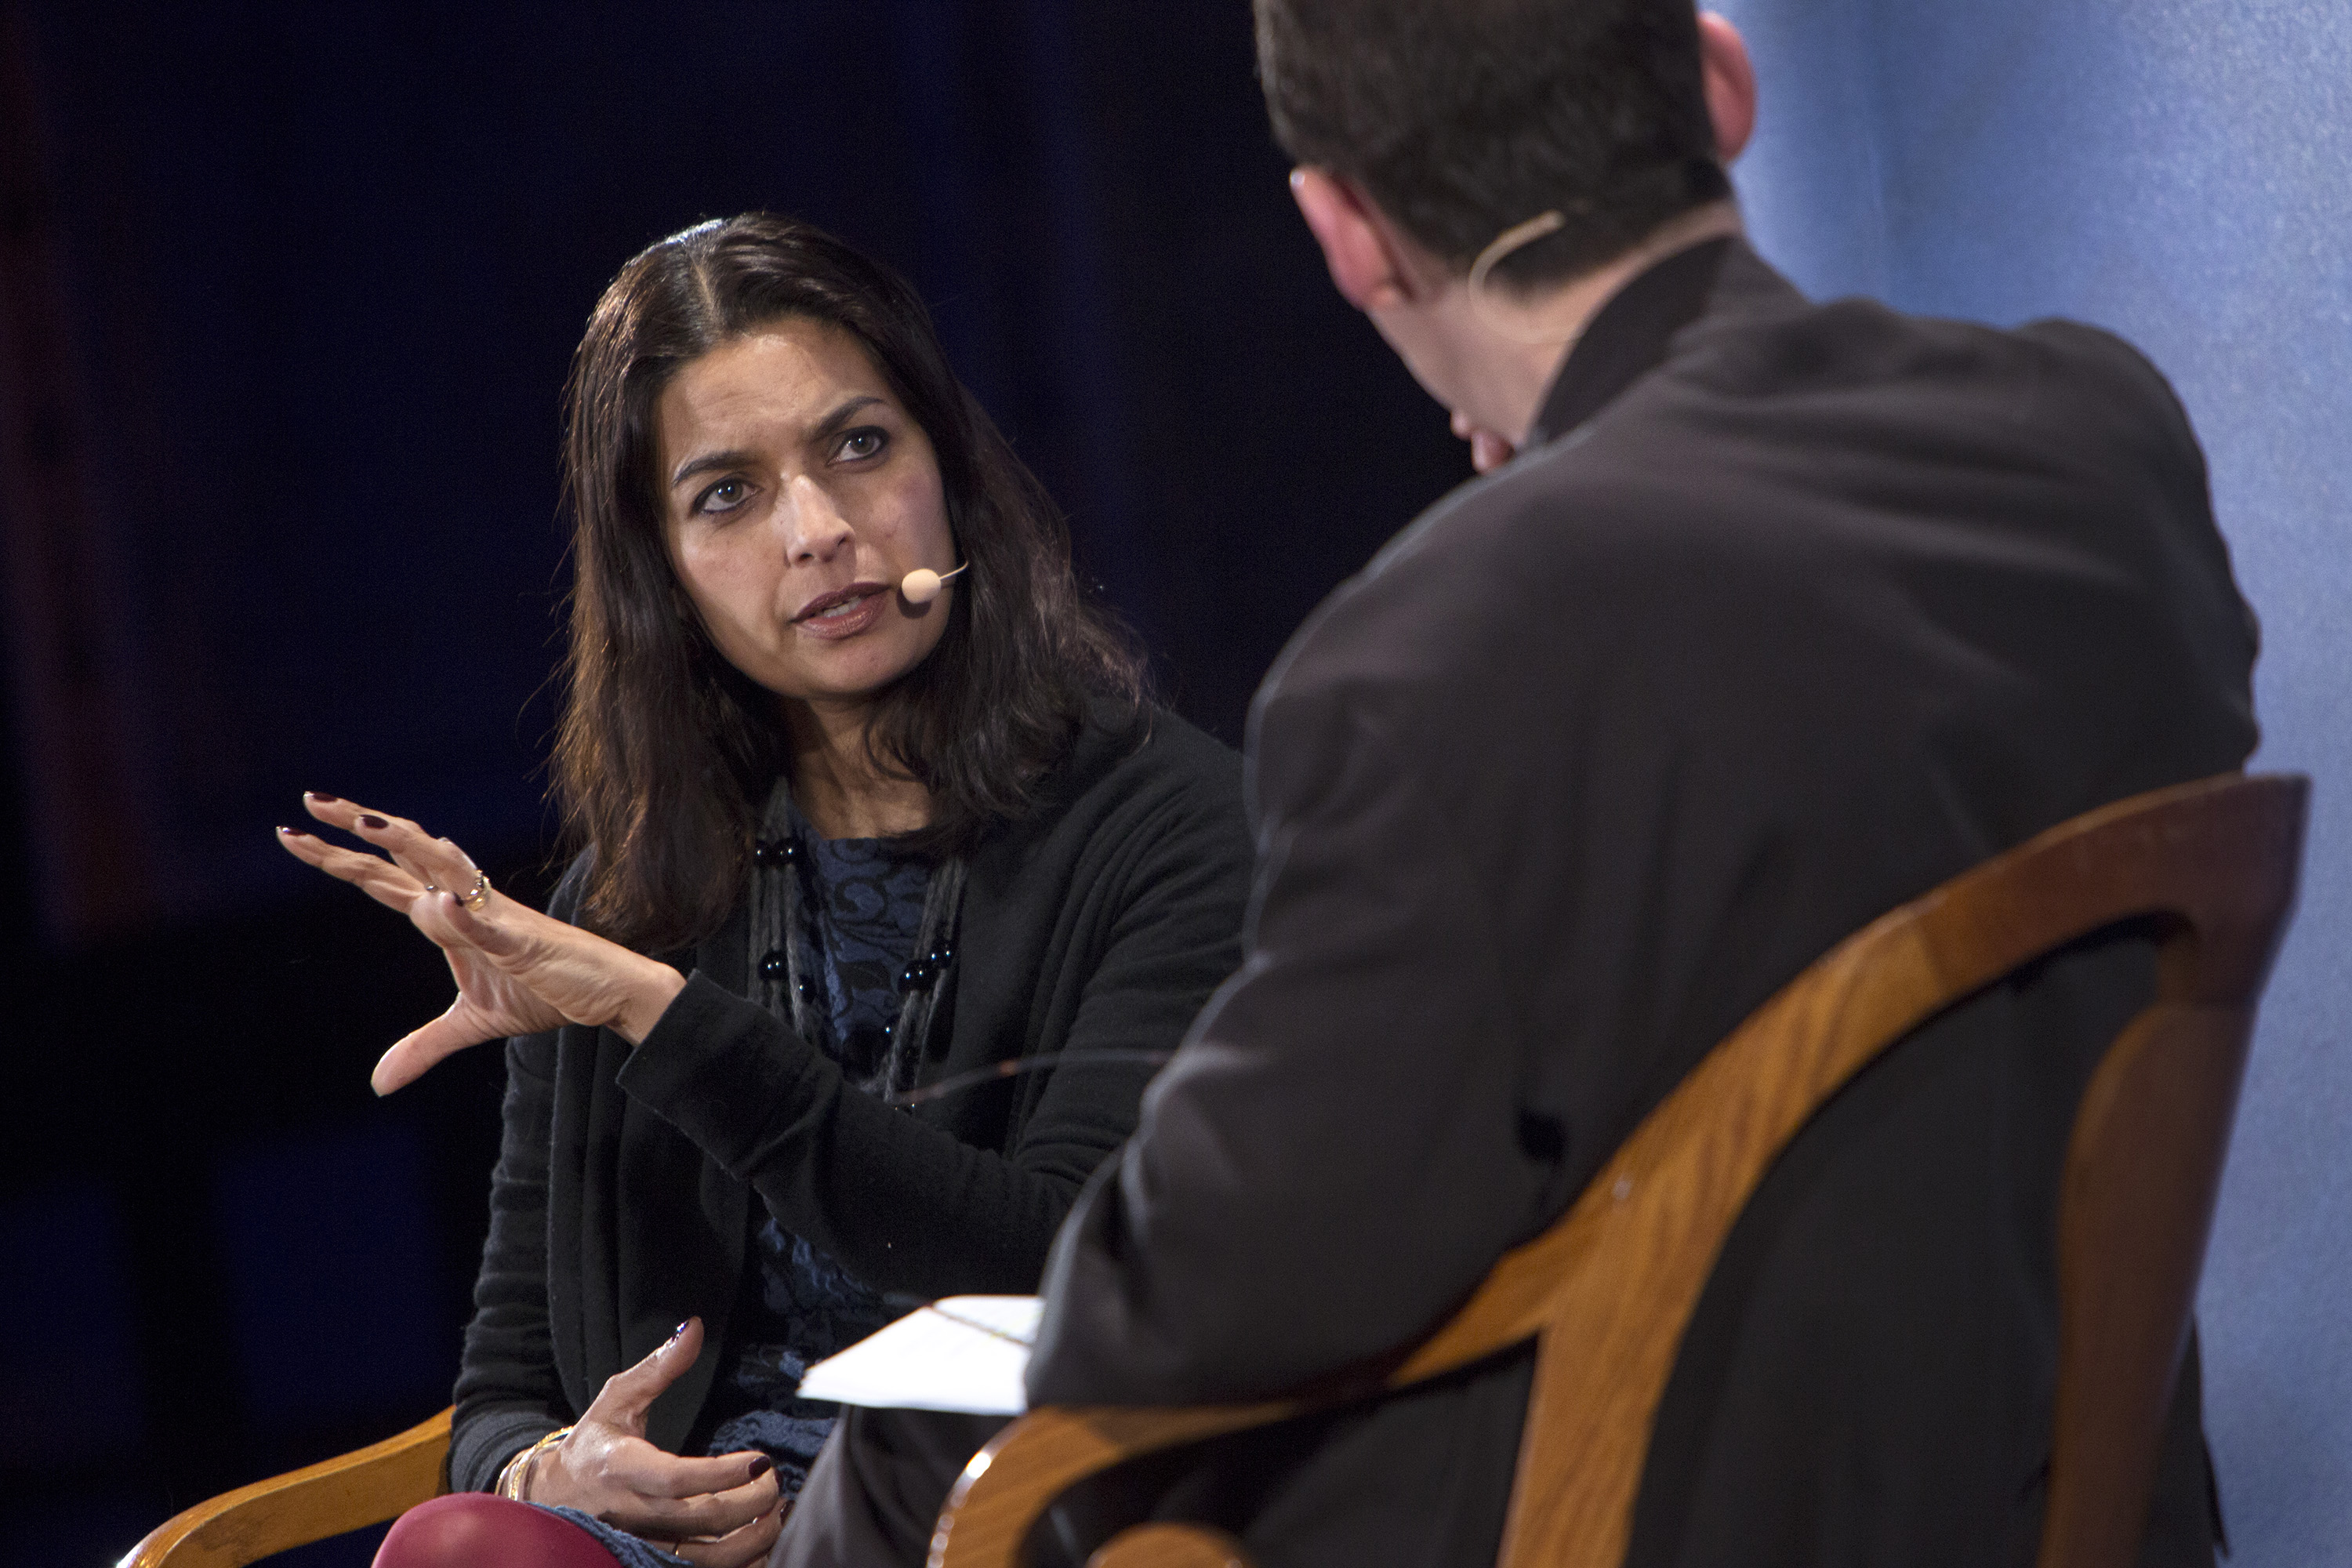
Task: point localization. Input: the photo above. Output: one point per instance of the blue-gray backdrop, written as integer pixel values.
(2180, 172)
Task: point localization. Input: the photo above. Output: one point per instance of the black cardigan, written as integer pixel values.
(620, 1201)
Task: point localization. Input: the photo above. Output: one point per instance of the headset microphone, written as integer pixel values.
(922, 584)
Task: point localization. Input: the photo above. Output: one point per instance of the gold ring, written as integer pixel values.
(478, 895)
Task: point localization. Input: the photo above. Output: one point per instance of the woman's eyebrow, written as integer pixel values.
(842, 415)
(708, 461)
(738, 458)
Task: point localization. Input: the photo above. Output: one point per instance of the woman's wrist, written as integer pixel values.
(515, 1479)
(649, 994)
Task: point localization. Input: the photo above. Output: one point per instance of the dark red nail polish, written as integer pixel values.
(680, 1329)
(370, 819)
(760, 1466)
(286, 831)
(322, 799)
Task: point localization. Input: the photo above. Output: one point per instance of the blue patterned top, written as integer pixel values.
(864, 898)
(864, 904)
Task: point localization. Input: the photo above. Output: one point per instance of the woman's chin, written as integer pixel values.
(834, 670)
(844, 683)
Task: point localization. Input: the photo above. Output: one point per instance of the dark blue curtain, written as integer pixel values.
(288, 292)
(318, 271)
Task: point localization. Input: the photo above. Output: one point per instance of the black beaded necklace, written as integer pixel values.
(779, 928)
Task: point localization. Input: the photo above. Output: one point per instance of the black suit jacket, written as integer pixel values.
(1787, 614)
(623, 1189)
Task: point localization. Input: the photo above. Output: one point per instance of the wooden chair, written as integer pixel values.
(348, 1492)
(1608, 1289)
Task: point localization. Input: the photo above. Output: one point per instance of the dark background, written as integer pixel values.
(287, 293)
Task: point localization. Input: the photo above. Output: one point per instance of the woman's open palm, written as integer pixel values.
(490, 1004)
(517, 970)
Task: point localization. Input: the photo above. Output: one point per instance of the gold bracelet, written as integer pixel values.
(515, 1479)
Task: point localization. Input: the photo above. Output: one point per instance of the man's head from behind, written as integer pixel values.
(1463, 118)
(1460, 120)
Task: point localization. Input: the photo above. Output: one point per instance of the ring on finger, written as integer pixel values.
(478, 897)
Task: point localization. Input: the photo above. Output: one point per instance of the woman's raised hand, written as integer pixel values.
(517, 970)
(721, 1512)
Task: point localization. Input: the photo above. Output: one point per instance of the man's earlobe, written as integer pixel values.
(1354, 247)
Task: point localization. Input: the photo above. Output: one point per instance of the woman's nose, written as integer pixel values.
(814, 526)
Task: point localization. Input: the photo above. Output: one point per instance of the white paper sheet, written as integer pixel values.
(965, 1353)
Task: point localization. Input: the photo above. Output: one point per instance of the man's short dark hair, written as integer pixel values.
(1461, 118)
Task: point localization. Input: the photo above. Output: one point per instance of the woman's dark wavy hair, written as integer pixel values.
(665, 751)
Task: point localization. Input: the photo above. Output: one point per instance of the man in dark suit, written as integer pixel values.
(1769, 617)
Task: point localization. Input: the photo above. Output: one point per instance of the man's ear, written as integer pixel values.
(1364, 267)
(1730, 82)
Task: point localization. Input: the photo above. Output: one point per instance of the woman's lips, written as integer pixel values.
(845, 613)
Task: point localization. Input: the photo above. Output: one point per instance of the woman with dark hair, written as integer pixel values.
(869, 802)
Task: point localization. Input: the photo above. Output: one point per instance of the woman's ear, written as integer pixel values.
(1729, 77)
(1355, 244)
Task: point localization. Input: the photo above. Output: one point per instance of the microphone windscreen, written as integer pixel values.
(922, 584)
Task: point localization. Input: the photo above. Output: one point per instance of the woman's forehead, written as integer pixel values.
(778, 380)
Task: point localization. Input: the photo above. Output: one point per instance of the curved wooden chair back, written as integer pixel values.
(1607, 1291)
(350, 1491)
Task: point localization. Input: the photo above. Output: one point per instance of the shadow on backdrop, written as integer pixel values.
(2176, 172)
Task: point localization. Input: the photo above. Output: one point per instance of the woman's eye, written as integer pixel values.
(724, 495)
(867, 442)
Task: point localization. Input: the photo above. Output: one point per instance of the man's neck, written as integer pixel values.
(1511, 346)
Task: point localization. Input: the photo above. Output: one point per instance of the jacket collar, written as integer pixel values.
(1628, 337)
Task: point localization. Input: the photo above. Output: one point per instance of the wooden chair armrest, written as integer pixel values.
(1009, 1483)
(349, 1492)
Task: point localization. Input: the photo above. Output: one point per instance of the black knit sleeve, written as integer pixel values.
(508, 1394)
(904, 1204)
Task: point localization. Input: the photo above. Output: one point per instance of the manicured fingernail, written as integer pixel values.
(322, 799)
(762, 1466)
(370, 819)
(289, 833)
(675, 1332)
